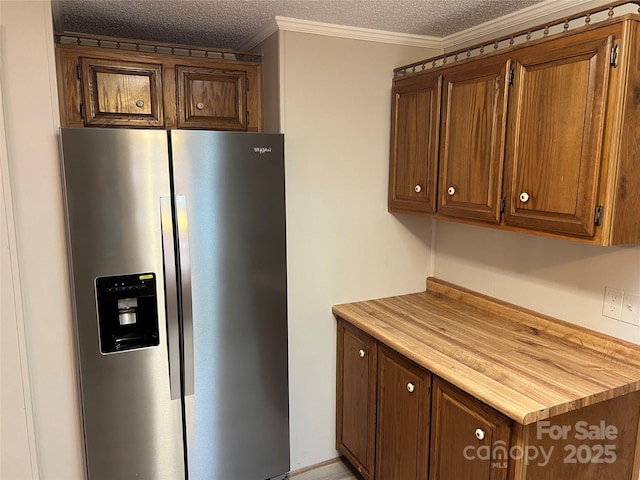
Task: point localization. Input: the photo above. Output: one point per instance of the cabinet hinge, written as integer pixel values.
(82, 111)
(247, 118)
(247, 84)
(511, 74)
(78, 72)
(615, 51)
(502, 205)
(597, 219)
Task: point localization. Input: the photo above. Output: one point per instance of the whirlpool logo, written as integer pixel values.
(262, 150)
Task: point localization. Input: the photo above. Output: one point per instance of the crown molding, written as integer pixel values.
(260, 36)
(333, 30)
(552, 9)
(358, 33)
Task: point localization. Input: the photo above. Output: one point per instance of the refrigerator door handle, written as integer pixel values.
(171, 297)
(185, 288)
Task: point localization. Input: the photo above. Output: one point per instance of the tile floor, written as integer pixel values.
(334, 471)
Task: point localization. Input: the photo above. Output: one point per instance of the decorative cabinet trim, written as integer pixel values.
(564, 25)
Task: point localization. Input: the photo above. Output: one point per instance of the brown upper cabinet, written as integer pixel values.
(109, 86)
(541, 137)
(121, 93)
(473, 132)
(414, 144)
(212, 98)
(556, 131)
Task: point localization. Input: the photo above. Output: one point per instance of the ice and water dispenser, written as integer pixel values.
(127, 312)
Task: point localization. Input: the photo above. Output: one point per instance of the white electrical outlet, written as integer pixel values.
(631, 308)
(612, 306)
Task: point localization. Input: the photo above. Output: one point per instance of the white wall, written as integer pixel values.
(270, 49)
(31, 118)
(17, 437)
(342, 244)
(557, 277)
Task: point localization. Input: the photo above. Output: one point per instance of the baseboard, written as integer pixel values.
(313, 467)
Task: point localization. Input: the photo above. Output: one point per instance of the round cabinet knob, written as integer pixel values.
(139, 104)
(199, 105)
(524, 197)
(480, 434)
(411, 387)
(418, 188)
(361, 353)
(451, 191)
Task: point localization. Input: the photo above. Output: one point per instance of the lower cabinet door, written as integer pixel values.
(402, 451)
(469, 440)
(356, 397)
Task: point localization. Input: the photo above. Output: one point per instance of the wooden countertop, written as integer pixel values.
(524, 364)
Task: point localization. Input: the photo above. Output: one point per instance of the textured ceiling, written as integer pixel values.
(228, 23)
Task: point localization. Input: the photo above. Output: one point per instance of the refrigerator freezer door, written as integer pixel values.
(237, 417)
(114, 180)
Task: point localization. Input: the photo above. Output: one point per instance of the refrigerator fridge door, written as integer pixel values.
(231, 188)
(114, 180)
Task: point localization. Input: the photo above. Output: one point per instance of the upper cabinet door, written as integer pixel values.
(472, 139)
(414, 144)
(555, 135)
(119, 93)
(212, 98)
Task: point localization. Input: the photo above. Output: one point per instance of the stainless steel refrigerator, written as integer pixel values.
(177, 256)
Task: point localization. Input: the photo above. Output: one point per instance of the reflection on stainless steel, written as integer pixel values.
(171, 289)
(216, 245)
(185, 286)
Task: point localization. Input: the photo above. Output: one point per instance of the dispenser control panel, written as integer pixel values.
(127, 312)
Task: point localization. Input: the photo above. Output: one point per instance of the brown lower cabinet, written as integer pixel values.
(402, 434)
(463, 429)
(356, 397)
(398, 421)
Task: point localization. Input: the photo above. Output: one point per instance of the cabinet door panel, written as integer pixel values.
(119, 93)
(402, 450)
(212, 98)
(455, 454)
(414, 144)
(473, 140)
(356, 397)
(556, 129)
